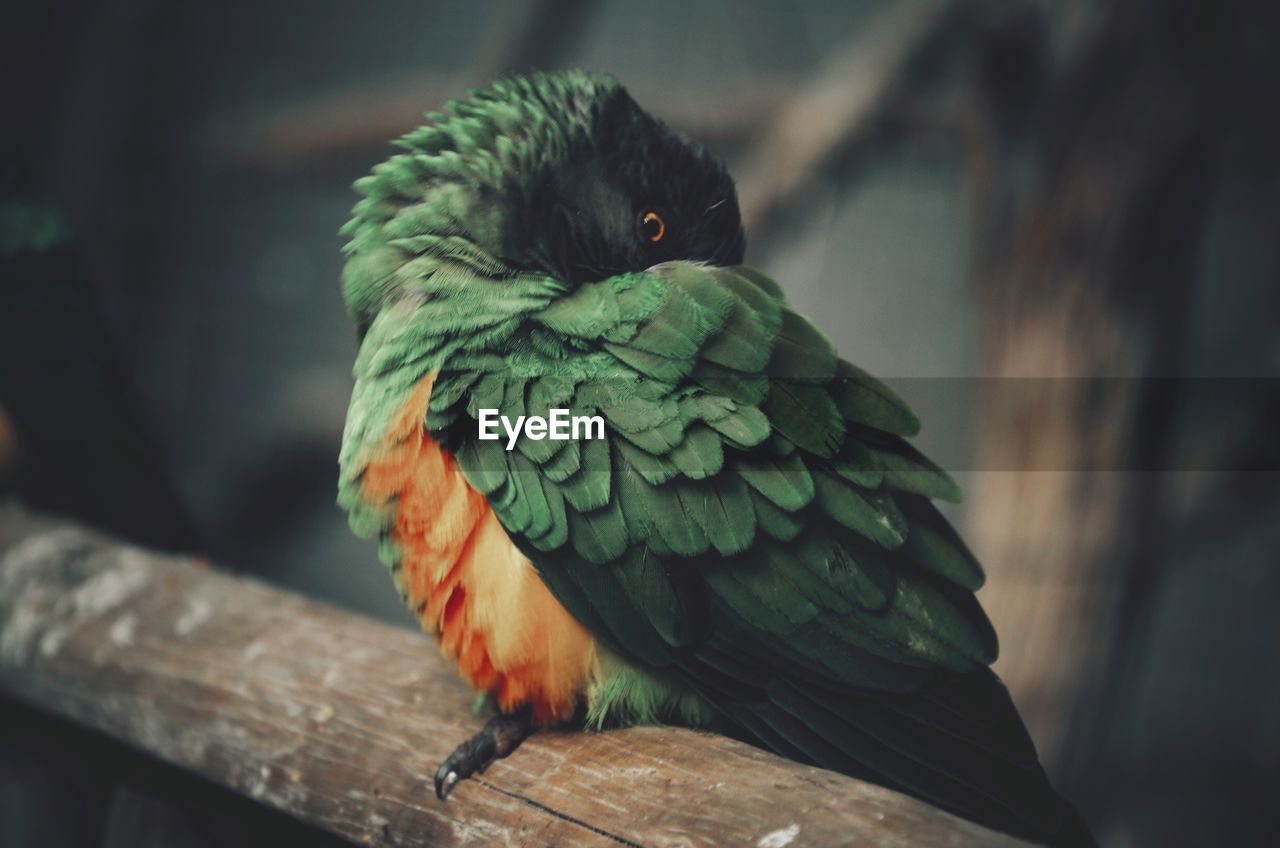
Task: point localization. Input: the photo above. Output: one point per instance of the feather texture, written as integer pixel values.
(752, 540)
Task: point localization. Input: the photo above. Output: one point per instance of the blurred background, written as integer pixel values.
(1052, 225)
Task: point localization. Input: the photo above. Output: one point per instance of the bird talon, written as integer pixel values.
(445, 783)
(500, 736)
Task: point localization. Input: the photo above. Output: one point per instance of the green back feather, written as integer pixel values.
(686, 474)
(753, 527)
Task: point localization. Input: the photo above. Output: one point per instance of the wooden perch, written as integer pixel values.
(339, 721)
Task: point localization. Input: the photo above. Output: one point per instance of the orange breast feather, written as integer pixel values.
(468, 583)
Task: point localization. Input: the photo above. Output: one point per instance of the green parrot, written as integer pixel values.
(745, 542)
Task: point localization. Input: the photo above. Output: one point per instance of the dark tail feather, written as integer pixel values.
(1072, 831)
(959, 745)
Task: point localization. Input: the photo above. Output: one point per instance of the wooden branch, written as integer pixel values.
(520, 35)
(340, 721)
(523, 37)
(8, 444)
(837, 106)
(367, 118)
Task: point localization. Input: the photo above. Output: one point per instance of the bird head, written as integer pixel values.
(546, 181)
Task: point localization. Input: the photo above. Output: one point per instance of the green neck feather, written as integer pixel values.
(438, 213)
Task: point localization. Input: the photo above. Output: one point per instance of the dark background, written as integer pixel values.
(1052, 226)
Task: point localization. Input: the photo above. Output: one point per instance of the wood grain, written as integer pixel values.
(340, 721)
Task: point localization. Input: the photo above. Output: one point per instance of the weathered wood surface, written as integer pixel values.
(340, 721)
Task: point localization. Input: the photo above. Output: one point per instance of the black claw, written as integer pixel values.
(446, 779)
(470, 757)
(501, 735)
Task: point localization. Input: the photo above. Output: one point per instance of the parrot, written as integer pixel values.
(751, 544)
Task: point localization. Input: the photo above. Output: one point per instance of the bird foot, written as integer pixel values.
(501, 735)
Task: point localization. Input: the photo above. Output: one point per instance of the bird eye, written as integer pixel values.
(652, 227)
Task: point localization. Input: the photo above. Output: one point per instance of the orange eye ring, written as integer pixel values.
(652, 227)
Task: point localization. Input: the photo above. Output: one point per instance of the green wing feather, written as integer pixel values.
(703, 471)
(754, 524)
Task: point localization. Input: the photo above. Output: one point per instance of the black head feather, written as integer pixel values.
(583, 219)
